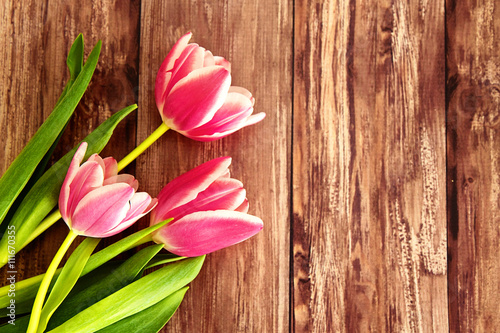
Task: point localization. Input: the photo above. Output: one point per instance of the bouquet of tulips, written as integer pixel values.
(197, 213)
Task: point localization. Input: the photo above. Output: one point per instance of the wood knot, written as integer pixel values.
(471, 99)
(481, 105)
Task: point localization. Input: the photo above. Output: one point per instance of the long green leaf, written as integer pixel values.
(67, 279)
(44, 195)
(75, 56)
(121, 246)
(115, 280)
(135, 297)
(17, 325)
(150, 320)
(19, 172)
(26, 289)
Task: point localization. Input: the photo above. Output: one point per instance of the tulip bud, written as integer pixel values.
(194, 96)
(97, 202)
(209, 210)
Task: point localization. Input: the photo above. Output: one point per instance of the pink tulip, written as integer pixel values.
(97, 202)
(209, 210)
(194, 95)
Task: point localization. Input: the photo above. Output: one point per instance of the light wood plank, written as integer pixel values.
(473, 133)
(369, 232)
(244, 288)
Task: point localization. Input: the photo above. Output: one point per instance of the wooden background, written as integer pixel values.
(376, 170)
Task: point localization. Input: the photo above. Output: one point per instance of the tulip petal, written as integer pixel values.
(70, 175)
(190, 60)
(186, 187)
(250, 121)
(195, 98)
(254, 119)
(140, 204)
(102, 209)
(233, 113)
(204, 232)
(244, 92)
(243, 207)
(220, 61)
(89, 177)
(111, 167)
(209, 59)
(164, 73)
(98, 159)
(123, 178)
(222, 194)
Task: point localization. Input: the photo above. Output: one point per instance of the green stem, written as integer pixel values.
(143, 146)
(44, 286)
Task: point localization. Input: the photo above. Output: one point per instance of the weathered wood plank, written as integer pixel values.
(473, 133)
(369, 232)
(244, 288)
(36, 37)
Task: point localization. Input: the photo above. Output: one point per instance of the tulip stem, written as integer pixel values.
(143, 146)
(44, 286)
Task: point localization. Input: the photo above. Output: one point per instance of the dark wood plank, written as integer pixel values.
(244, 288)
(36, 37)
(369, 232)
(473, 133)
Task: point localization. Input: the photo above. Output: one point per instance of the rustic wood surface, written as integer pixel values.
(376, 170)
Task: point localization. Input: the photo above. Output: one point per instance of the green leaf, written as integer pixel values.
(150, 320)
(121, 246)
(44, 195)
(135, 297)
(67, 279)
(26, 289)
(75, 65)
(20, 325)
(75, 58)
(161, 259)
(19, 172)
(115, 280)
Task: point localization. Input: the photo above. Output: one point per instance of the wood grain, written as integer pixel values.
(244, 288)
(369, 232)
(473, 132)
(376, 170)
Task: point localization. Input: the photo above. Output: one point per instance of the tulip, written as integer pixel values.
(94, 201)
(209, 211)
(194, 96)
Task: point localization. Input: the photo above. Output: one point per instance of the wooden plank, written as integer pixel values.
(369, 232)
(36, 37)
(473, 133)
(244, 288)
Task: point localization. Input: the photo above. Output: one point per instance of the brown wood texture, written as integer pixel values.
(369, 232)
(473, 133)
(376, 170)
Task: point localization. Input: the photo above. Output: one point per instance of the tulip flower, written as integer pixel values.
(194, 96)
(209, 211)
(96, 202)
